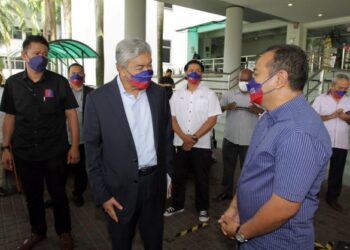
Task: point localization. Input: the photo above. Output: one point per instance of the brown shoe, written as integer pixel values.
(31, 241)
(67, 241)
(335, 205)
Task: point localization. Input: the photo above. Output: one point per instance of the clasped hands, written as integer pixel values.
(229, 222)
(189, 141)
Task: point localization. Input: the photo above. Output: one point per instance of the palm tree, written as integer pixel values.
(67, 11)
(11, 12)
(99, 43)
(160, 18)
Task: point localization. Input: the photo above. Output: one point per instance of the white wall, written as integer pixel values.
(83, 30)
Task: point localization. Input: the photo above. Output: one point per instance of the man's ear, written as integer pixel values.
(282, 79)
(120, 69)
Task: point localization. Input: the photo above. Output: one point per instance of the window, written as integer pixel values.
(166, 51)
(16, 33)
(168, 5)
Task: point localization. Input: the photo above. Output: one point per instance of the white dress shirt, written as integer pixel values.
(192, 110)
(138, 113)
(337, 128)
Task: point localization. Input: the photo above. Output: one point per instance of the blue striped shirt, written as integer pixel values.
(287, 156)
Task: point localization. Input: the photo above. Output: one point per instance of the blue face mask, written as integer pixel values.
(194, 77)
(38, 63)
(142, 80)
(340, 93)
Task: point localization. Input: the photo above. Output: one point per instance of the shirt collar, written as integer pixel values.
(25, 75)
(283, 112)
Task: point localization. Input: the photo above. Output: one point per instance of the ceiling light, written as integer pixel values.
(290, 5)
(320, 14)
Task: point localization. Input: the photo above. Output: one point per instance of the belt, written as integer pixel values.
(147, 170)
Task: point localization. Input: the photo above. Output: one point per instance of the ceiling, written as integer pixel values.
(260, 10)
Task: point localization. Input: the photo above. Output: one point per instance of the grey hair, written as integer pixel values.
(341, 77)
(130, 48)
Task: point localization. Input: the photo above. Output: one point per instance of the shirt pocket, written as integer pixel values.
(50, 105)
(201, 107)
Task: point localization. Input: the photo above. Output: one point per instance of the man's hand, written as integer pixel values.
(7, 160)
(189, 142)
(255, 109)
(109, 207)
(73, 155)
(229, 221)
(231, 106)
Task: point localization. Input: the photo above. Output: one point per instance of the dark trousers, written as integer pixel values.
(200, 160)
(230, 152)
(148, 216)
(335, 175)
(79, 173)
(33, 174)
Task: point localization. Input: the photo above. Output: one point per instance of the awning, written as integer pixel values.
(71, 49)
(65, 49)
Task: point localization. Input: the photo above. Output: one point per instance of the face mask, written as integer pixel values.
(255, 92)
(142, 80)
(243, 86)
(76, 80)
(38, 63)
(340, 93)
(194, 78)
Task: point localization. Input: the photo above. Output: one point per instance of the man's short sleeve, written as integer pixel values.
(69, 100)
(299, 160)
(214, 104)
(224, 99)
(7, 101)
(317, 104)
(173, 104)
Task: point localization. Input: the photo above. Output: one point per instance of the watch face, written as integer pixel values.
(239, 237)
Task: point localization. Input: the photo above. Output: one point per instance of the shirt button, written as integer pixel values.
(35, 131)
(136, 181)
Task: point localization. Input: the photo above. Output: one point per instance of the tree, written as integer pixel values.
(99, 43)
(50, 31)
(67, 14)
(160, 19)
(11, 12)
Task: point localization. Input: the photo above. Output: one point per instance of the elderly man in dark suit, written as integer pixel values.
(128, 142)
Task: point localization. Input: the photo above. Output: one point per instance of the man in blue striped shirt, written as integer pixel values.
(286, 162)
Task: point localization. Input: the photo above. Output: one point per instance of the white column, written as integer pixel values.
(135, 19)
(233, 38)
(296, 35)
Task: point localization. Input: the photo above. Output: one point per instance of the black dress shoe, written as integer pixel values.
(223, 197)
(31, 241)
(335, 205)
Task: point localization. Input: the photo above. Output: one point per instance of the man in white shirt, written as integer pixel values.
(194, 111)
(241, 118)
(333, 108)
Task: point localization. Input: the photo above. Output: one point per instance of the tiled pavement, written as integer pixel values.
(90, 232)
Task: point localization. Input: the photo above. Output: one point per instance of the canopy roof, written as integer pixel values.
(67, 48)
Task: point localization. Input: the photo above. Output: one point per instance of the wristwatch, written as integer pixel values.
(239, 236)
(5, 147)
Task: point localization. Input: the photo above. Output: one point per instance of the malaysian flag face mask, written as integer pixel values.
(141, 80)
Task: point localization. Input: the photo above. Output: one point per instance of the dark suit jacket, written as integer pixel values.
(111, 157)
(86, 91)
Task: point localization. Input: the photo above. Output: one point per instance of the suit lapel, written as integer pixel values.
(115, 99)
(152, 100)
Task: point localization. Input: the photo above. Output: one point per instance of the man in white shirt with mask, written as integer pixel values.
(241, 117)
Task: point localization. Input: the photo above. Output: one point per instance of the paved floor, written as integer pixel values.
(90, 231)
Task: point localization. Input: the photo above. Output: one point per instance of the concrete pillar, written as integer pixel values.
(135, 19)
(296, 35)
(233, 39)
(192, 44)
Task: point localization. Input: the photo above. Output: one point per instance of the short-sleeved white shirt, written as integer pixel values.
(192, 110)
(337, 128)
